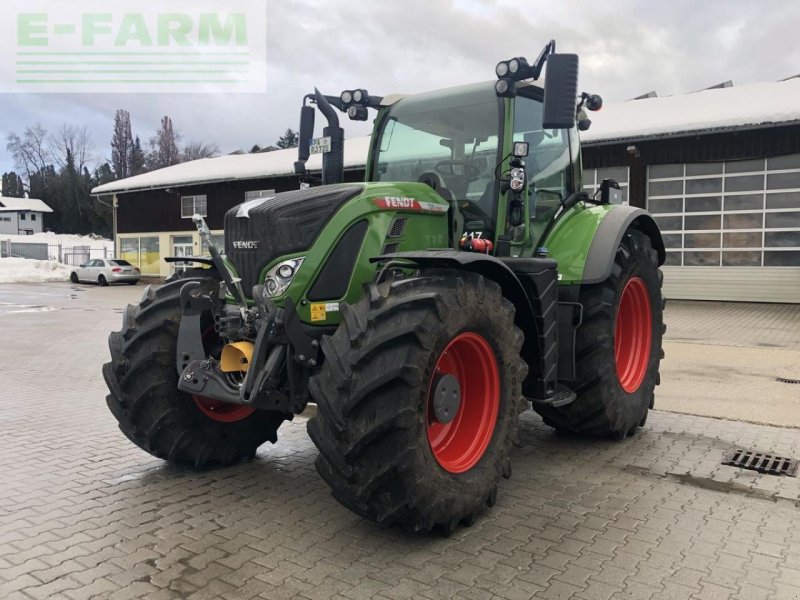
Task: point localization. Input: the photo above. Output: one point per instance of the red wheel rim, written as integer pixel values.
(460, 444)
(633, 335)
(223, 412)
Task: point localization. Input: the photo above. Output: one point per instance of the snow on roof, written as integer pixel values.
(18, 204)
(713, 109)
(233, 167)
(707, 110)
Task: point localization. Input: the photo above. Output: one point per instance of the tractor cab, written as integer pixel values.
(504, 155)
(455, 141)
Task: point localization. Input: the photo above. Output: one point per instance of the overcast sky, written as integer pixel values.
(626, 48)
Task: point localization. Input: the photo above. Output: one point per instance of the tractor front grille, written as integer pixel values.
(288, 222)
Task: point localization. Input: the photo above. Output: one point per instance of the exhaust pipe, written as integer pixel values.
(333, 161)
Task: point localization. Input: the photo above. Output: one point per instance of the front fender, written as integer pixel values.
(541, 358)
(585, 240)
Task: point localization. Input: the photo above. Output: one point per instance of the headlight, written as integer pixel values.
(280, 276)
(517, 182)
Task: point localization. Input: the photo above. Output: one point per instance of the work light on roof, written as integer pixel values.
(501, 69)
(505, 88)
(346, 97)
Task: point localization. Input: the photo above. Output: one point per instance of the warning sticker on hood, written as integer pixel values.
(320, 310)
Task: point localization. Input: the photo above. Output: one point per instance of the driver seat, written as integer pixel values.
(436, 182)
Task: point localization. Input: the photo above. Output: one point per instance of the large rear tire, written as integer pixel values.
(150, 409)
(618, 347)
(388, 448)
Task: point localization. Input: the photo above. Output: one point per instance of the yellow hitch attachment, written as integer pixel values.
(236, 357)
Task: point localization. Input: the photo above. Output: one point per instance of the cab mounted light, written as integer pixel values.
(505, 88)
(518, 68)
(355, 104)
(357, 112)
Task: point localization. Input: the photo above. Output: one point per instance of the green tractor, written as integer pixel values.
(468, 279)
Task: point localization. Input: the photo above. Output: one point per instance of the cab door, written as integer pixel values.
(553, 158)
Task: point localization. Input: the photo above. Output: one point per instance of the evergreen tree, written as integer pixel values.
(137, 158)
(289, 139)
(13, 186)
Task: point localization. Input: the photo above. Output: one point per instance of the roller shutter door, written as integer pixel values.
(732, 229)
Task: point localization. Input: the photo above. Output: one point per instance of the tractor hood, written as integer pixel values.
(258, 231)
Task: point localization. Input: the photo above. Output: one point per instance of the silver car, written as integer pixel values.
(105, 271)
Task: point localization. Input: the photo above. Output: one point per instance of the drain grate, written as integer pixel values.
(786, 380)
(761, 462)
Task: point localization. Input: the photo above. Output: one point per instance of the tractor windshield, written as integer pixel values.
(449, 139)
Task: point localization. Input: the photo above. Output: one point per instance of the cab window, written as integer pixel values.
(548, 161)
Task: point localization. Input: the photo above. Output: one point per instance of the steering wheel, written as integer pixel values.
(457, 168)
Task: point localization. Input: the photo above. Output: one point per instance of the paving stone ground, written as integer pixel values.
(85, 514)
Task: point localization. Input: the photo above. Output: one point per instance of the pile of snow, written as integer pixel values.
(719, 108)
(26, 270)
(234, 167)
(99, 247)
(92, 240)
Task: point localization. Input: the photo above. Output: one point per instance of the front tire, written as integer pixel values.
(618, 347)
(73, 277)
(153, 413)
(388, 448)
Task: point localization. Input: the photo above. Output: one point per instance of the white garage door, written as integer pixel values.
(732, 229)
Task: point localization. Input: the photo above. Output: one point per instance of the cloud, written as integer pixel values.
(626, 48)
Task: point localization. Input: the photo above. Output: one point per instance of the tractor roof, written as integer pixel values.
(390, 99)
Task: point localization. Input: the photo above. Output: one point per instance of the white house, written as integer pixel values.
(21, 216)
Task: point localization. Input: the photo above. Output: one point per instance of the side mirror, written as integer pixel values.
(560, 91)
(306, 133)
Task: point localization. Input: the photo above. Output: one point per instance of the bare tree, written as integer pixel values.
(122, 144)
(197, 150)
(74, 141)
(164, 146)
(31, 152)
